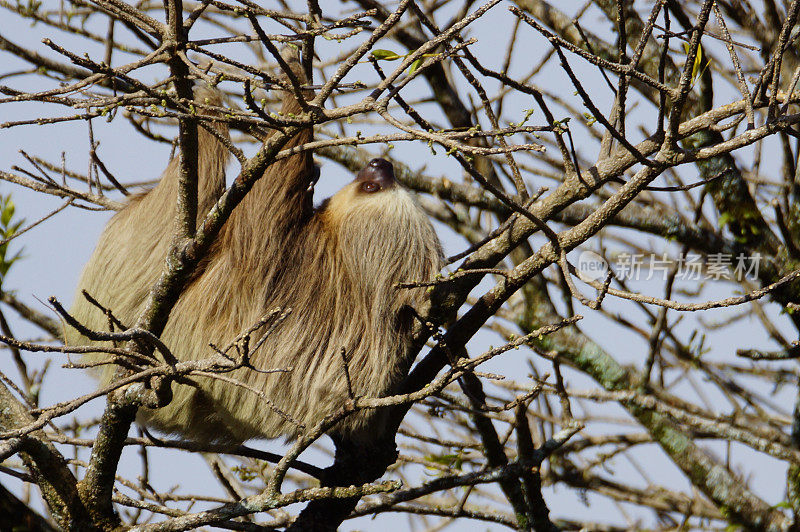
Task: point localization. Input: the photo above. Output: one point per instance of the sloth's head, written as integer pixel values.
(376, 177)
(379, 227)
(374, 198)
(370, 185)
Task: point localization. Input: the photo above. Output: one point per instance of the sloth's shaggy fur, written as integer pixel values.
(337, 267)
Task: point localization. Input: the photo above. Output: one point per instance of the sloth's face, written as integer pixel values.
(378, 175)
(374, 202)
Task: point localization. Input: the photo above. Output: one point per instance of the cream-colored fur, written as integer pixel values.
(336, 267)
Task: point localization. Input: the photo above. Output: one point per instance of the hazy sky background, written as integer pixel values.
(55, 251)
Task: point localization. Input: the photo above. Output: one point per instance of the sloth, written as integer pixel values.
(334, 269)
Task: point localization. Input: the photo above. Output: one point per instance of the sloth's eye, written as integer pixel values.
(370, 186)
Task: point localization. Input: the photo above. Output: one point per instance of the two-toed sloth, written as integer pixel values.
(336, 266)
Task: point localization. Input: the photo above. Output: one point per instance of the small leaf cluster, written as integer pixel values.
(389, 55)
(8, 228)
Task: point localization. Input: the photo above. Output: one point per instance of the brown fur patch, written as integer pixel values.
(336, 268)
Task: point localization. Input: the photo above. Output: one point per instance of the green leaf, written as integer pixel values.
(13, 228)
(725, 218)
(246, 474)
(385, 55)
(8, 212)
(442, 459)
(8, 228)
(697, 66)
(414, 66)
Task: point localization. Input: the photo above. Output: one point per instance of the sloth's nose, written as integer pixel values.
(381, 165)
(378, 170)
